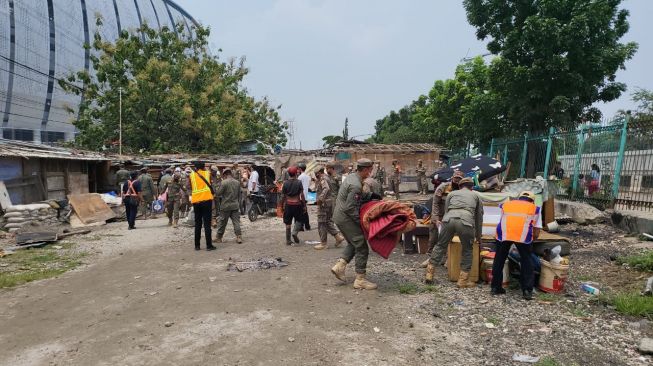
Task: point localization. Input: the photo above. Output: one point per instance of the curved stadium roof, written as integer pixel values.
(42, 41)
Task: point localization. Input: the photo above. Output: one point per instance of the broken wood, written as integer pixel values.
(71, 233)
(36, 237)
(90, 208)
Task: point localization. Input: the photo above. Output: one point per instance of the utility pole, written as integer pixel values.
(120, 122)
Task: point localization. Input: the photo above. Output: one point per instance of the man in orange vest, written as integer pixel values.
(202, 200)
(520, 224)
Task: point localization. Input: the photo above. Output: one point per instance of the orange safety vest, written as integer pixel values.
(200, 191)
(517, 219)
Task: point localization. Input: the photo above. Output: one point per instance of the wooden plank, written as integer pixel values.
(90, 208)
(76, 223)
(5, 200)
(36, 237)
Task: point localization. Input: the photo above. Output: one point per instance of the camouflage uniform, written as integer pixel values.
(371, 185)
(148, 191)
(326, 194)
(437, 211)
(176, 190)
(184, 204)
(229, 192)
(422, 184)
(395, 179)
(347, 217)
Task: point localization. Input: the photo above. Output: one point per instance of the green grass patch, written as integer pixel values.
(640, 262)
(545, 296)
(548, 361)
(412, 288)
(493, 320)
(633, 304)
(35, 264)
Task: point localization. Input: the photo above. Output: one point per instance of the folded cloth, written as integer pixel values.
(383, 222)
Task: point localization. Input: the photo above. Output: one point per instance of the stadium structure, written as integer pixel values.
(42, 41)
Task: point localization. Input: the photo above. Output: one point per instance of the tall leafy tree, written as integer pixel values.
(556, 57)
(345, 131)
(176, 96)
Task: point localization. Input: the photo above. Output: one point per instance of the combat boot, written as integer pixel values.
(463, 280)
(170, 222)
(322, 245)
(218, 238)
(239, 239)
(339, 240)
(295, 238)
(360, 283)
(430, 273)
(425, 263)
(339, 269)
(175, 223)
(288, 242)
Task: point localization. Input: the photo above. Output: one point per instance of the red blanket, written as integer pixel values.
(383, 222)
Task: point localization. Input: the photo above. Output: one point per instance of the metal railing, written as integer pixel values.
(608, 164)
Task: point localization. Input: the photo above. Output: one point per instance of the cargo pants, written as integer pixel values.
(356, 245)
(225, 215)
(466, 234)
(325, 223)
(173, 209)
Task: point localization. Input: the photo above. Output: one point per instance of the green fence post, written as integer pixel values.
(579, 153)
(522, 171)
(549, 146)
(620, 158)
(505, 154)
(492, 148)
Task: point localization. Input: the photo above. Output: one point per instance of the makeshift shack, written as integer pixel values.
(33, 173)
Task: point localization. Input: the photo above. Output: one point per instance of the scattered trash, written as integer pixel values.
(137, 277)
(648, 291)
(490, 325)
(590, 288)
(263, 263)
(525, 358)
(377, 330)
(36, 237)
(168, 324)
(57, 247)
(153, 293)
(649, 236)
(291, 339)
(212, 279)
(312, 242)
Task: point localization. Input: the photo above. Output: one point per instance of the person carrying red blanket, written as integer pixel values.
(383, 222)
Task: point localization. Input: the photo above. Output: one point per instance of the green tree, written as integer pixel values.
(556, 57)
(176, 96)
(331, 140)
(345, 131)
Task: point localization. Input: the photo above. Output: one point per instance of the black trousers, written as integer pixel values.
(131, 209)
(202, 211)
(526, 275)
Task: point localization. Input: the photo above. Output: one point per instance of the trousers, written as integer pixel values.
(356, 245)
(131, 209)
(526, 273)
(449, 230)
(173, 209)
(202, 212)
(225, 215)
(325, 223)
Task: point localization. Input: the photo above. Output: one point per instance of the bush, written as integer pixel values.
(633, 304)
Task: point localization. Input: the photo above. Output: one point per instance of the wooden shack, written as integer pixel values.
(33, 173)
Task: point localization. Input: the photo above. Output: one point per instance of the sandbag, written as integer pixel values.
(34, 206)
(17, 220)
(16, 225)
(13, 214)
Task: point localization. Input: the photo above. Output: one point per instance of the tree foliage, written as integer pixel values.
(176, 96)
(556, 57)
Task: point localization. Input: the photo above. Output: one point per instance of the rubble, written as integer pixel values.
(263, 263)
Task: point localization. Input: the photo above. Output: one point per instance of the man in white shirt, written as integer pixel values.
(252, 184)
(306, 182)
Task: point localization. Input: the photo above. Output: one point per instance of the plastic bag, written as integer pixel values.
(555, 255)
(163, 196)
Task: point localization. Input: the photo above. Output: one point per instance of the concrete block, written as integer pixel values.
(580, 213)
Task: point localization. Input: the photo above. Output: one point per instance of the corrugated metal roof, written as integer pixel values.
(370, 148)
(27, 150)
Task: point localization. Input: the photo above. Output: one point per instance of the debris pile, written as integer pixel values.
(263, 263)
(18, 216)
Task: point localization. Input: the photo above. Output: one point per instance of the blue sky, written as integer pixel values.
(325, 60)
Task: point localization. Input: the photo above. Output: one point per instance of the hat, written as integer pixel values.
(292, 170)
(226, 171)
(419, 160)
(214, 167)
(458, 174)
(364, 163)
(528, 194)
(199, 164)
(177, 169)
(301, 166)
(143, 169)
(466, 180)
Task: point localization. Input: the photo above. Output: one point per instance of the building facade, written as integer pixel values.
(42, 41)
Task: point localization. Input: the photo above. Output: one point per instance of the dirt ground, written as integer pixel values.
(145, 297)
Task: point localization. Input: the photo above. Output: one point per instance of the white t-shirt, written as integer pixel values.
(306, 182)
(253, 178)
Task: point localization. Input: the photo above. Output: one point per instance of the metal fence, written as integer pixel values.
(608, 164)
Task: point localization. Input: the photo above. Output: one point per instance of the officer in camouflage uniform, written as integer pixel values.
(148, 191)
(422, 185)
(216, 180)
(229, 191)
(122, 176)
(327, 191)
(395, 178)
(185, 197)
(176, 190)
(347, 217)
(379, 175)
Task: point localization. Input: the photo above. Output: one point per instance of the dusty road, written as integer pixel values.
(145, 297)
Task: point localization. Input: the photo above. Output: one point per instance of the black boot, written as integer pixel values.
(288, 242)
(295, 238)
(527, 294)
(497, 291)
